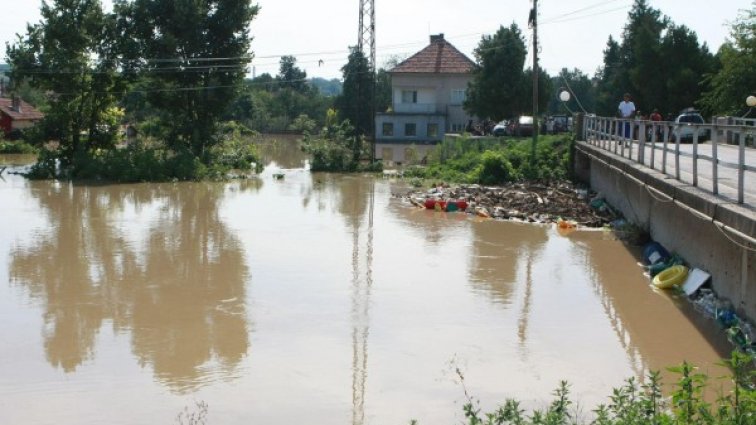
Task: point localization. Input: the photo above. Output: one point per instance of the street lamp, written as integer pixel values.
(751, 101)
(564, 96)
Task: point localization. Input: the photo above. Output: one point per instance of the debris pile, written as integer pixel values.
(524, 201)
(659, 261)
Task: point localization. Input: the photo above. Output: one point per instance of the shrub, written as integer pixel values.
(338, 149)
(635, 404)
(150, 162)
(16, 146)
(494, 168)
(496, 161)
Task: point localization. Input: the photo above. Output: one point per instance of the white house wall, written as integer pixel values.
(402, 154)
(435, 89)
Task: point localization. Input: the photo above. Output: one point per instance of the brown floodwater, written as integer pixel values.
(317, 298)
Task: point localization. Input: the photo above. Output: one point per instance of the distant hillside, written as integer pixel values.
(327, 88)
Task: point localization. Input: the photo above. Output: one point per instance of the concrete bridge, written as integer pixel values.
(696, 199)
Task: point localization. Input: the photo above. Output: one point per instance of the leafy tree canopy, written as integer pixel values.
(736, 79)
(497, 89)
(194, 56)
(354, 104)
(660, 64)
(71, 55)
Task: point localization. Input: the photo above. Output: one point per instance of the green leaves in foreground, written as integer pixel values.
(644, 404)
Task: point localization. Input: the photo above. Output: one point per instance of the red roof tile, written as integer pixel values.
(440, 57)
(28, 112)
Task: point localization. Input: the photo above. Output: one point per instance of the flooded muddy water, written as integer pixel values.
(317, 298)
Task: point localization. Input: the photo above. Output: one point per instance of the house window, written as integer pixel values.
(457, 97)
(388, 129)
(409, 96)
(458, 128)
(432, 130)
(410, 129)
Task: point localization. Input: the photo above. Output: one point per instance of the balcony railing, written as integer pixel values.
(416, 108)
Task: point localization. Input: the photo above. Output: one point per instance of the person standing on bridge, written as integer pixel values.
(626, 110)
(656, 118)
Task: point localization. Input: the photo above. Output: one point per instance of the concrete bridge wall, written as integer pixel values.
(684, 219)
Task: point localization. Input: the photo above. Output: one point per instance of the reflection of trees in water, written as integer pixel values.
(181, 295)
(498, 248)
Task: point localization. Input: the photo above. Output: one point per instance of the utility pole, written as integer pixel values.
(366, 38)
(534, 23)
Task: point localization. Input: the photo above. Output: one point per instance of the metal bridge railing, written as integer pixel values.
(663, 146)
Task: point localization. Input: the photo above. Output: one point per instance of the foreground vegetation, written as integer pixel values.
(642, 404)
(493, 161)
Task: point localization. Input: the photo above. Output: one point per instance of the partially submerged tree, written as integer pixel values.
(71, 56)
(193, 55)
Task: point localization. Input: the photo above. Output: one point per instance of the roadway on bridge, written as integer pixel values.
(727, 177)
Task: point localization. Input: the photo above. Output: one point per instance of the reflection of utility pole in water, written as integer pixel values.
(522, 326)
(360, 313)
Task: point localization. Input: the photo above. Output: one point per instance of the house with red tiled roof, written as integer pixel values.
(15, 114)
(428, 90)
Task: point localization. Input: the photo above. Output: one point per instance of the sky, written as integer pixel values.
(571, 33)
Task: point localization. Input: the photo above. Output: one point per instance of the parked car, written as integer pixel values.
(523, 126)
(687, 124)
(501, 129)
(561, 123)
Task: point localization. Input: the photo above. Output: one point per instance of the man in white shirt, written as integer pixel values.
(626, 109)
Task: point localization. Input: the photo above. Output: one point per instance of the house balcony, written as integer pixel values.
(416, 108)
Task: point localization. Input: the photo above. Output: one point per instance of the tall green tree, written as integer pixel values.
(496, 90)
(611, 80)
(354, 103)
(661, 65)
(292, 92)
(685, 63)
(71, 55)
(194, 55)
(383, 96)
(582, 88)
(737, 78)
(641, 55)
(290, 76)
(545, 89)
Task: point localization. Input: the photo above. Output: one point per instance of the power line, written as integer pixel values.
(563, 15)
(559, 21)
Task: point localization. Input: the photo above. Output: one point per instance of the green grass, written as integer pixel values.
(494, 161)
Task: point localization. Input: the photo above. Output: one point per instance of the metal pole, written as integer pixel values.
(741, 163)
(535, 82)
(714, 157)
